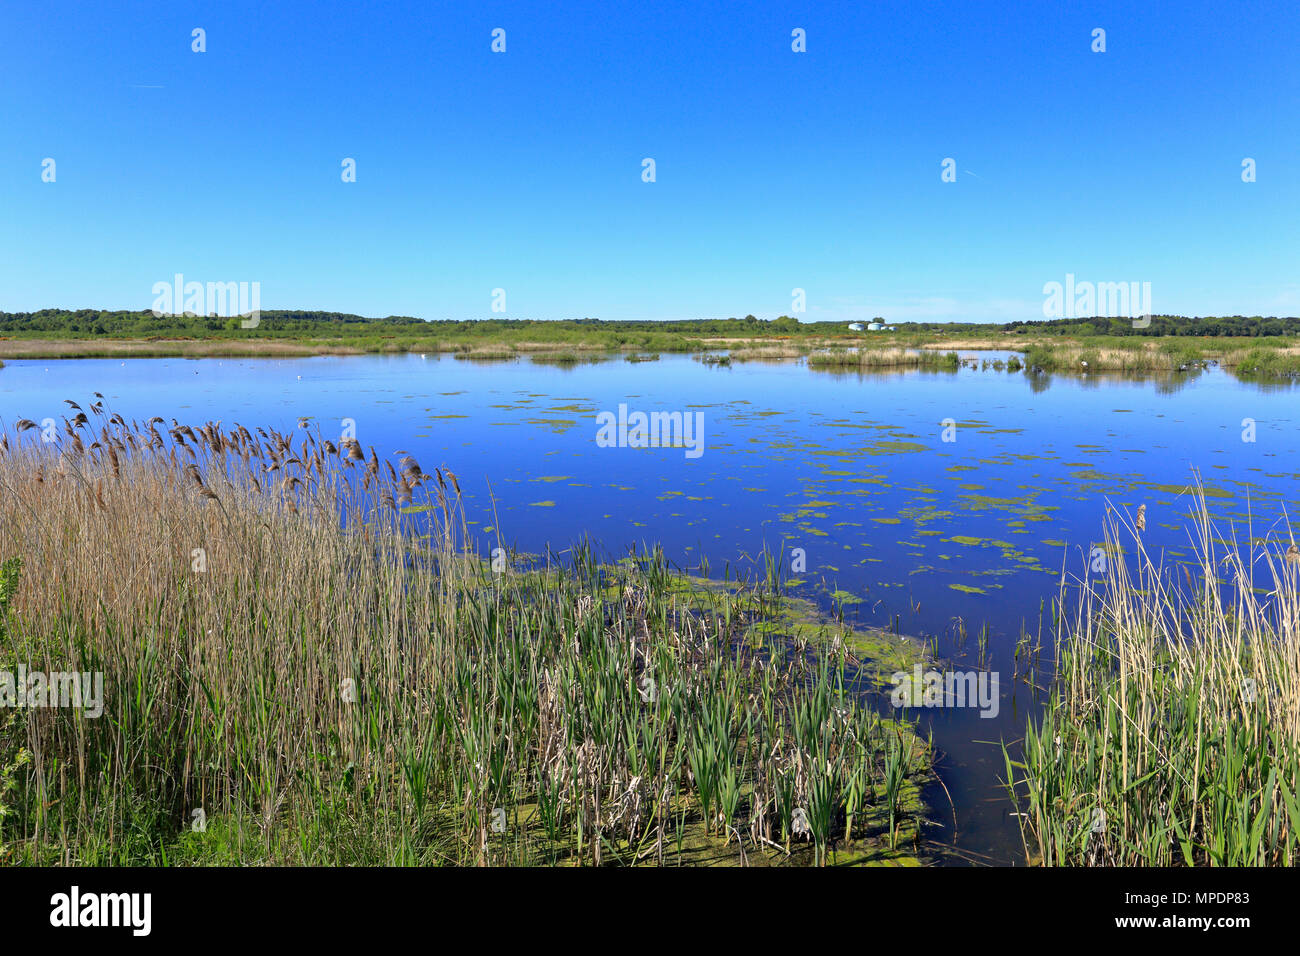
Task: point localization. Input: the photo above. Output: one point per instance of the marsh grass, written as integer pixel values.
(768, 353)
(1265, 363)
(318, 678)
(1249, 359)
(1172, 734)
(878, 358)
(568, 359)
(483, 353)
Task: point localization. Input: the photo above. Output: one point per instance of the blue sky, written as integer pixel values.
(774, 169)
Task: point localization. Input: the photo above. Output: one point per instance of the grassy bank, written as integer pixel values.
(1172, 735)
(1247, 358)
(281, 687)
(1254, 348)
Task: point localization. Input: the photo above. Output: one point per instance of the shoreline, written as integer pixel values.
(1258, 359)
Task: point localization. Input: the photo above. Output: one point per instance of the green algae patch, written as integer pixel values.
(973, 541)
(1191, 490)
(556, 425)
(881, 653)
(896, 448)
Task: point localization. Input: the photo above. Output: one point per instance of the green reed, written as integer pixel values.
(1172, 733)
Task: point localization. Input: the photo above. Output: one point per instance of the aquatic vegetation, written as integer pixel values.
(1266, 363)
(1172, 733)
(714, 360)
(567, 359)
(321, 678)
(487, 355)
(865, 358)
(767, 353)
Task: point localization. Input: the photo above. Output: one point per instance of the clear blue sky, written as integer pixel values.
(775, 170)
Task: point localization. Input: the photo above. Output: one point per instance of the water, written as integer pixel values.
(897, 525)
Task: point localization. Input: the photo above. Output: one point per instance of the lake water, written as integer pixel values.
(930, 501)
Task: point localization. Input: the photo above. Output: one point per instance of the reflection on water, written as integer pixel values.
(945, 504)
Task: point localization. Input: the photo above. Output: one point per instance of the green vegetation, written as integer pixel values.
(95, 323)
(1246, 357)
(1267, 362)
(283, 688)
(1256, 347)
(1172, 734)
(13, 754)
(841, 358)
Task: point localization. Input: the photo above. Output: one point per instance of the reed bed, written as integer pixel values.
(767, 353)
(297, 672)
(1117, 356)
(840, 358)
(1172, 733)
(1248, 359)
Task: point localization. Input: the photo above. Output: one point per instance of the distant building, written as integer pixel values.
(855, 326)
(874, 327)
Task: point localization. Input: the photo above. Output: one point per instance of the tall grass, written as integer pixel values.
(1172, 735)
(1266, 362)
(296, 672)
(841, 358)
(1247, 358)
